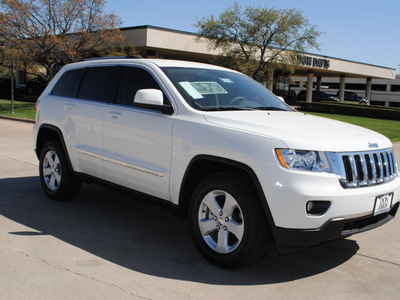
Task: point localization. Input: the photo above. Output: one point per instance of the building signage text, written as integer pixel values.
(314, 62)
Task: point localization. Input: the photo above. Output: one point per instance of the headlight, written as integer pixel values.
(303, 160)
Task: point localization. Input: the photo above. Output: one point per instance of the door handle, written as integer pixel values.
(114, 115)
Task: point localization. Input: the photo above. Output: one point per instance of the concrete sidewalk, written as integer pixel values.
(112, 245)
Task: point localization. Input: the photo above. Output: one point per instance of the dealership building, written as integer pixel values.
(313, 72)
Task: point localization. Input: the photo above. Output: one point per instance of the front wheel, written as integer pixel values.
(56, 176)
(228, 223)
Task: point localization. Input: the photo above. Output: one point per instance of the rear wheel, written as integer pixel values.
(56, 176)
(228, 223)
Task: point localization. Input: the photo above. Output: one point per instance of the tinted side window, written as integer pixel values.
(68, 84)
(132, 80)
(100, 84)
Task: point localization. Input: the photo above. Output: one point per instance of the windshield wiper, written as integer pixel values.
(227, 108)
(270, 108)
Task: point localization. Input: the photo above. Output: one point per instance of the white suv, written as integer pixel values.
(245, 167)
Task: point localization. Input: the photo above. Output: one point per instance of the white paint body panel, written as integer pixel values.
(131, 138)
(301, 131)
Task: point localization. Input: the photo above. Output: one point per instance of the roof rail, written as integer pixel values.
(112, 57)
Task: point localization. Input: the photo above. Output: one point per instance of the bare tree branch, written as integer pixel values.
(257, 38)
(49, 32)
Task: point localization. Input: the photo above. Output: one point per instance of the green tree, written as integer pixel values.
(255, 39)
(45, 33)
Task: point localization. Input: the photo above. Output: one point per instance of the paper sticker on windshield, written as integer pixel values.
(191, 90)
(208, 87)
(198, 89)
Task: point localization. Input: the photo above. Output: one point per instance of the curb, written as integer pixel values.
(18, 119)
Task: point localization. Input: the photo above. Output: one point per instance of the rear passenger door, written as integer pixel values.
(85, 93)
(137, 142)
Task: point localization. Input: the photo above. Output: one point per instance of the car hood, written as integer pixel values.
(302, 131)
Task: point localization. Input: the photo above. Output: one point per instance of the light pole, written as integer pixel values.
(4, 44)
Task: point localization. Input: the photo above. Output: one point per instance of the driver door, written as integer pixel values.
(137, 142)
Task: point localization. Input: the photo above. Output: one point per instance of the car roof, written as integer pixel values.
(142, 61)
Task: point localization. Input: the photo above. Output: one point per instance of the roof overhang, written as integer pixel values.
(176, 44)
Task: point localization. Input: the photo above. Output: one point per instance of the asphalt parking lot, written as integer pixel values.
(108, 244)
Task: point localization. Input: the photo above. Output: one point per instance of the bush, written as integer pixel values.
(367, 111)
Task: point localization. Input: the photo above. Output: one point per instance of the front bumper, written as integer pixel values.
(288, 192)
(292, 240)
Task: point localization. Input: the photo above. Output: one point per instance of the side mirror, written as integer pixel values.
(149, 96)
(281, 98)
(152, 99)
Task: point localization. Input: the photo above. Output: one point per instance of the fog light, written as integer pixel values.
(310, 206)
(317, 208)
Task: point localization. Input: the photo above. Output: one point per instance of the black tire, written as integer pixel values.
(56, 177)
(240, 234)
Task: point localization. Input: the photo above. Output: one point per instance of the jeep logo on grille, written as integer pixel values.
(373, 145)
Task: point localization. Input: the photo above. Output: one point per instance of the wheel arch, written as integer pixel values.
(204, 165)
(46, 133)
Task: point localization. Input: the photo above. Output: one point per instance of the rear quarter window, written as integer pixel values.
(68, 84)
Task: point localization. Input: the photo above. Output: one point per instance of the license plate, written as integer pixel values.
(383, 204)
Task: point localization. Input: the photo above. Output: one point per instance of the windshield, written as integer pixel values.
(216, 90)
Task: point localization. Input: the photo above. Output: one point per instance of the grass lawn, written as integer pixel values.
(22, 109)
(389, 128)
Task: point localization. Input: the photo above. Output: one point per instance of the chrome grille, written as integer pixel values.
(359, 169)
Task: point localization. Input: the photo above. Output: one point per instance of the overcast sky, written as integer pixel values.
(360, 30)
